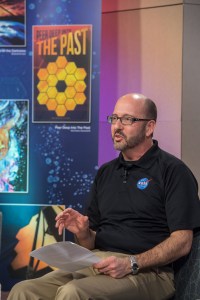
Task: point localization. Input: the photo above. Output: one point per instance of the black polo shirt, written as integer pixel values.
(135, 205)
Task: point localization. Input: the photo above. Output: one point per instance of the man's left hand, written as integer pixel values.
(116, 267)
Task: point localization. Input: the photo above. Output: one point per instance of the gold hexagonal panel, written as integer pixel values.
(61, 98)
(71, 68)
(52, 80)
(42, 98)
(52, 92)
(80, 86)
(52, 68)
(70, 104)
(42, 86)
(70, 92)
(61, 74)
(42, 74)
(61, 62)
(61, 110)
(80, 73)
(80, 98)
(51, 104)
(70, 80)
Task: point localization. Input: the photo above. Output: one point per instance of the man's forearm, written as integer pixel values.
(174, 247)
(87, 239)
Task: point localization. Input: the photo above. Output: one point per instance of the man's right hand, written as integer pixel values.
(73, 221)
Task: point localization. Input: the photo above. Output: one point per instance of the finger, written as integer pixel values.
(62, 218)
(85, 218)
(70, 211)
(100, 265)
(64, 212)
(59, 216)
(60, 229)
(58, 223)
(104, 262)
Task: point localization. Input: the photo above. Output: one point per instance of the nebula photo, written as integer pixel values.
(12, 23)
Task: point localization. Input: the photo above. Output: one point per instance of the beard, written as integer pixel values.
(129, 143)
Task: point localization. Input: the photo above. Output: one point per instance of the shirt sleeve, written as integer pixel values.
(182, 201)
(92, 210)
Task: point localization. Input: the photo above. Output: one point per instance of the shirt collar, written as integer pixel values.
(144, 162)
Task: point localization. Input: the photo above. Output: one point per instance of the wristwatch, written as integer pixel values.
(134, 265)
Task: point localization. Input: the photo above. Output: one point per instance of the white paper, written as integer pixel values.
(66, 256)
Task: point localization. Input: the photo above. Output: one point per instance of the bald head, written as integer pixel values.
(137, 105)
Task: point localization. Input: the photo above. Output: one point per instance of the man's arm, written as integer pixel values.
(78, 224)
(88, 240)
(177, 245)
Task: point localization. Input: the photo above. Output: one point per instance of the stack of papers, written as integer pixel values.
(66, 256)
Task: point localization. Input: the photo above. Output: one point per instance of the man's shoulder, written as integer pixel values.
(112, 163)
(170, 164)
(108, 166)
(169, 158)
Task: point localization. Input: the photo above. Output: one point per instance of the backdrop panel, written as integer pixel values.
(49, 93)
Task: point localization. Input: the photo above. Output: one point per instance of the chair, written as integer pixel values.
(187, 273)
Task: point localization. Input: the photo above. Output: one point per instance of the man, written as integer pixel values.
(142, 211)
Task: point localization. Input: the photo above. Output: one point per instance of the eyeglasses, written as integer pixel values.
(126, 120)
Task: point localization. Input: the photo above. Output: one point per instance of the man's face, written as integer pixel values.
(127, 137)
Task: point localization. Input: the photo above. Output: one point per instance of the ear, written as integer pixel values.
(150, 128)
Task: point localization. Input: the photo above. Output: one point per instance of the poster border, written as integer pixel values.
(90, 82)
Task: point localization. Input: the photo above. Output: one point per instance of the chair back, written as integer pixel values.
(187, 273)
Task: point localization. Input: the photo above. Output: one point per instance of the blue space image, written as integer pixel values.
(11, 33)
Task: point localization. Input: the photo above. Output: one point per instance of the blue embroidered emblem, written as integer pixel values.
(143, 183)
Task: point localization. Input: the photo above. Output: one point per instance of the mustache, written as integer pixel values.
(118, 131)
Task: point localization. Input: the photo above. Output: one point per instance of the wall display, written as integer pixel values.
(54, 144)
(62, 67)
(13, 146)
(12, 23)
(31, 227)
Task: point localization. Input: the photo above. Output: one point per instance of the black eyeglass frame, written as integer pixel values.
(132, 119)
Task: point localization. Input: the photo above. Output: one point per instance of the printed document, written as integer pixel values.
(66, 256)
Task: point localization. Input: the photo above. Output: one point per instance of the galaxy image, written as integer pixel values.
(13, 145)
(12, 23)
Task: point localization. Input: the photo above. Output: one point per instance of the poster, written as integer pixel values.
(62, 73)
(13, 146)
(31, 227)
(12, 23)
